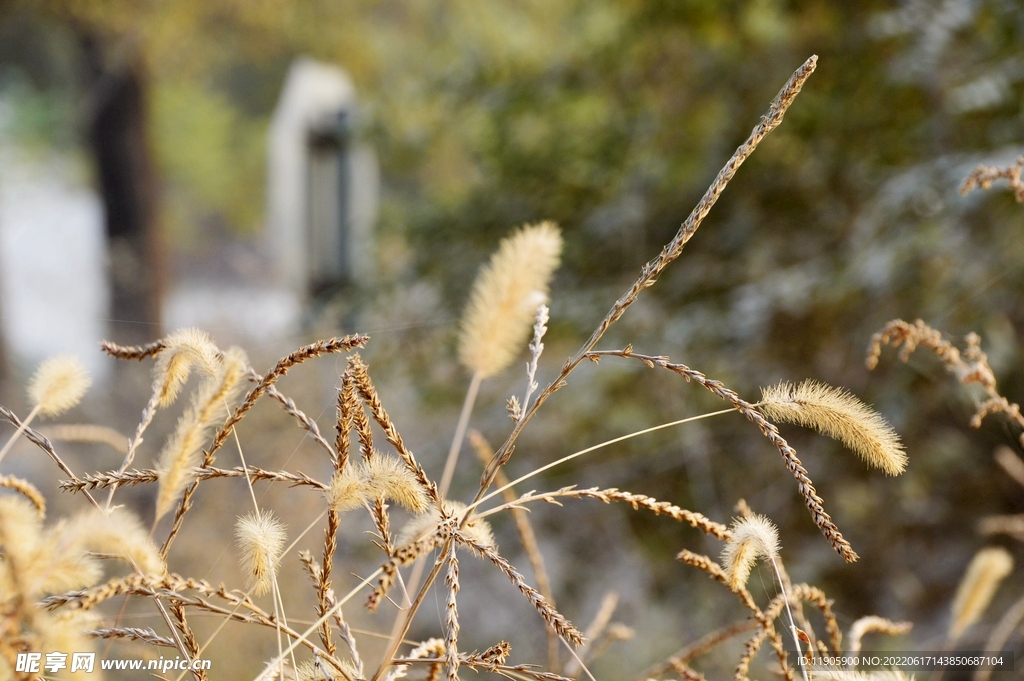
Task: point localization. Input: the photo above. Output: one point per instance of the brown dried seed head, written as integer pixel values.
(753, 537)
(58, 384)
(261, 537)
(505, 298)
(987, 569)
(838, 414)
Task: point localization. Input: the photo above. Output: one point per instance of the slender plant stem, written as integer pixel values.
(460, 435)
(574, 455)
(792, 623)
(21, 429)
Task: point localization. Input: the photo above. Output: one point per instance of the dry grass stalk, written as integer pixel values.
(873, 624)
(505, 298)
(987, 569)
(27, 490)
(130, 352)
(768, 429)
(132, 634)
(652, 270)
(369, 395)
(347, 406)
(524, 528)
(304, 353)
(637, 501)
(552, 617)
(451, 639)
(969, 366)
(288, 404)
(699, 647)
(814, 595)
(43, 443)
(188, 638)
(323, 583)
(983, 177)
(404, 555)
(841, 416)
(137, 477)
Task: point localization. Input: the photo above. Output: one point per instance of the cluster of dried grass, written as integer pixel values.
(50, 587)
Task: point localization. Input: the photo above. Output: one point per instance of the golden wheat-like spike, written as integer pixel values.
(752, 538)
(260, 536)
(506, 296)
(452, 616)
(838, 414)
(58, 384)
(987, 569)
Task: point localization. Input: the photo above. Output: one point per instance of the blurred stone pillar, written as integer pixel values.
(322, 186)
(118, 134)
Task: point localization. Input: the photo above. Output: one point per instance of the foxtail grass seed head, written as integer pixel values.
(58, 384)
(752, 538)
(121, 534)
(260, 536)
(987, 569)
(210, 407)
(184, 350)
(382, 477)
(505, 298)
(838, 414)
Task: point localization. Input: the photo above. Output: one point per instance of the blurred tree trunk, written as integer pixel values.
(118, 135)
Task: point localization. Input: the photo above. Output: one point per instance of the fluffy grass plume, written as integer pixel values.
(58, 384)
(838, 414)
(120, 534)
(183, 350)
(382, 477)
(260, 537)
(752, 538)
(181, 453)
(506, 296)
(987, 569)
